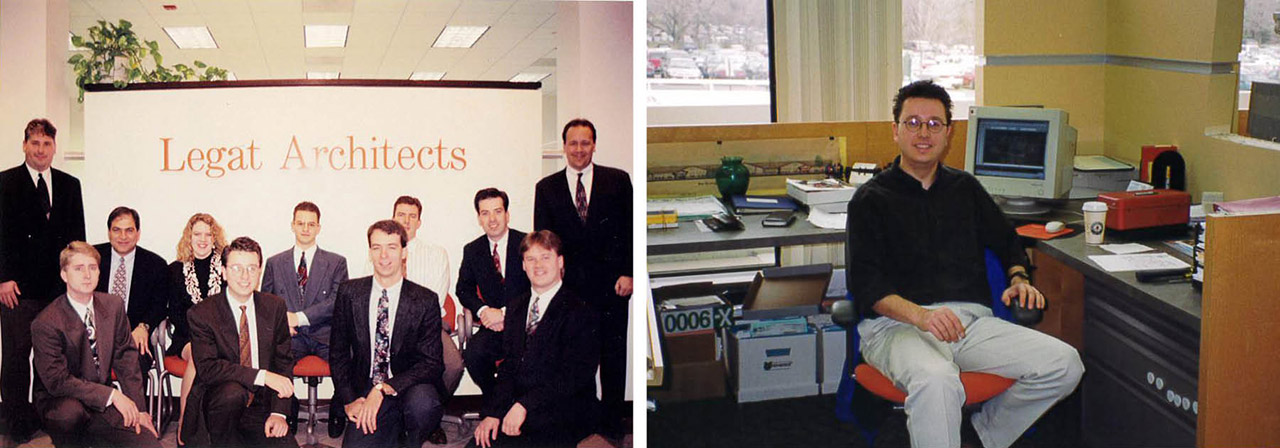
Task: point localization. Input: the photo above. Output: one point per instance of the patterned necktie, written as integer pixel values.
(42, 189)
(534, 316)
(302, 273)
(497, 264)
(581, 199)
(382, 345)
(93, 338)
(118, 286)
(246, 355)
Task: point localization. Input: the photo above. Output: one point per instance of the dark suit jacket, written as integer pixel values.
(551, 372)
(179, 304)
(149, 286)
(325, 271)
(479, 284)
(64, 363)
(29, 244)
(598, 252)
(416, 353)
(215, 349)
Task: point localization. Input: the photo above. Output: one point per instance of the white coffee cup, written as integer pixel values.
(1095, 222)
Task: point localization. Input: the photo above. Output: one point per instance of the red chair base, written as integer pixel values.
(978, 387)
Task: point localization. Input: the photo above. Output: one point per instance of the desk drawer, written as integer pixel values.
(1140, 386)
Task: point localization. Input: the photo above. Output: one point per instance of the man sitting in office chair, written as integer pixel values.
(916, 237)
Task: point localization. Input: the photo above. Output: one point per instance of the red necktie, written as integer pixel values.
(302, 273)
(497, 263)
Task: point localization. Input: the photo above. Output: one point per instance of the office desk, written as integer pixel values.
(1141, 350)
(688, 239)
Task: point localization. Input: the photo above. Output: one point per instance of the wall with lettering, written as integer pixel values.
(247, 155)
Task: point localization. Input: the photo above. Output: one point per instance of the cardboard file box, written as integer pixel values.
(832, 340)
(767, 364)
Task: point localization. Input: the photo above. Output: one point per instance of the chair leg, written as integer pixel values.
(313, 384)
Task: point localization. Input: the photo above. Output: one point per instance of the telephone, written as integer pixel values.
(722, 221)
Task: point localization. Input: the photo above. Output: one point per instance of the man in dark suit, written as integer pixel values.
(240, 343)
(386, 354)
(589, 207)
(80, 340)
(41, 211)
(307, 277)
(135, 274)
(546, 394)
(491, 271)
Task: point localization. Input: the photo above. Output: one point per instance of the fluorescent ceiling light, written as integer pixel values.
(529, 77)
(426, 76)
(326, 36)
(459, 36)
(323, 75)
(190, 37)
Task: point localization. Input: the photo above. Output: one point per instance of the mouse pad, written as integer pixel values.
(1037, 231)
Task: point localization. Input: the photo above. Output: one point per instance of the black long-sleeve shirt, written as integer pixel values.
(925, 245)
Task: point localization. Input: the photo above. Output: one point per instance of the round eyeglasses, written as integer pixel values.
(933, 124)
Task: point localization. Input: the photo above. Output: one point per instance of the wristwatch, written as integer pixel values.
(1022, 274)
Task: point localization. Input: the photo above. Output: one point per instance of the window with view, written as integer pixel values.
(1259, 48)
(938, 39)
(707, 62)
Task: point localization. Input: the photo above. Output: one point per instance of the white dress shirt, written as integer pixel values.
(588, 174)
(393, 304)
(127, 259)
(81, 310)
(297, 260)
(543, 300)
(48, 179)
(502, 263)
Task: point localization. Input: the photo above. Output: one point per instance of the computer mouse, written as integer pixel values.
(1054, 226)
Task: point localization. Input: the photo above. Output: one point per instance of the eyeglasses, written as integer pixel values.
(935, 125)
(241, 270)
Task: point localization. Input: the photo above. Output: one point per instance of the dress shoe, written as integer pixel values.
(438, 437)
(336, 424)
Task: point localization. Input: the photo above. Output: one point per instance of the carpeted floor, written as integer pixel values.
(811, 422)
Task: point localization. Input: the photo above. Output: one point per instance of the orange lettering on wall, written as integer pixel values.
(294, 152)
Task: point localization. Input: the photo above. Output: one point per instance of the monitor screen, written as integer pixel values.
(1011, 148)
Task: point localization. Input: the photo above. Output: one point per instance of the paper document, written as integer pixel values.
(824, 220)
(1130, 248)
(1139, 186)
(689, 302)
(1138, 262)
(763, 200)
(689, 209)
(1100, 163)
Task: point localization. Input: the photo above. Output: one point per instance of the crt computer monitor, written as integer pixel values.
(1022, 154)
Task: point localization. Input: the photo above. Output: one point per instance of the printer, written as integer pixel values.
(1132, 210)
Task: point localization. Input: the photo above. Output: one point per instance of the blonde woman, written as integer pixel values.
(197, 274)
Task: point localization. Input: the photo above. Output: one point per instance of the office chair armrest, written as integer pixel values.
(1027, 317)
(844, 314)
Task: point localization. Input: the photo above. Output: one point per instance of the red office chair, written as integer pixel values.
(854, 404)
(312, 369)
(167, 368)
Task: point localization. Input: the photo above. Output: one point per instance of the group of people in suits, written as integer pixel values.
(551, 308)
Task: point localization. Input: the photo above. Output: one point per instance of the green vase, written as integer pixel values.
(732, 177)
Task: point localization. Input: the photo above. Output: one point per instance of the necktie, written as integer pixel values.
(382, 345)
(534, 315)
(302, 273)
(497, 263)
(581, 199)
(118, 286)
(246, 355)
(42, 189)
(93, 338)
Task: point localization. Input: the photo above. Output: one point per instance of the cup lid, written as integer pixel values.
(1095, 206)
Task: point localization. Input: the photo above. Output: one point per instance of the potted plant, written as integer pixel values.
(117, 55)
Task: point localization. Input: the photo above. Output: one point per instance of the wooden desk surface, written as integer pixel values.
(688, 239)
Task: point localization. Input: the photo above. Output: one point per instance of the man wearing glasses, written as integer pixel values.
(916, 236)
(240, 343)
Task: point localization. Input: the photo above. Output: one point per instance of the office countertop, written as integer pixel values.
(1177, 301)
(688, 239)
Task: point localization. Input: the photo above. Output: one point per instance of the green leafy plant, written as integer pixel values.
(116, 54)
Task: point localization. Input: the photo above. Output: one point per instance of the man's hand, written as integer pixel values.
(144, 422)
(140, 338)
(293, 320)
(491, 318)
(367, 421)
(487, 431)
(9, 293)
(942, 323)
(1028, 296)
(275, 426)
(623, 286)
(514, 420)
(126, 407)
(279, 383)
(353, 409)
